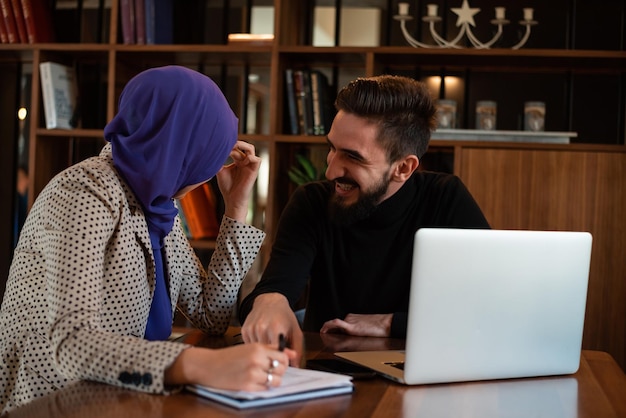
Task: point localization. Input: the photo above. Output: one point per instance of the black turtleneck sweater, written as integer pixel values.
(364, 268)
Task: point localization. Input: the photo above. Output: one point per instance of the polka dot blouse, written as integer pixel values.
(81, 283)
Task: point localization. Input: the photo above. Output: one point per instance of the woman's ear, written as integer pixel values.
(405, 168)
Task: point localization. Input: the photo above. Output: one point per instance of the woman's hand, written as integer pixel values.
(236, 180)
(240, 367)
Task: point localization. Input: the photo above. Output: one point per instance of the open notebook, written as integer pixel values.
(490, 304)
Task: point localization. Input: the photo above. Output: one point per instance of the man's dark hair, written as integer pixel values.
(402, 107)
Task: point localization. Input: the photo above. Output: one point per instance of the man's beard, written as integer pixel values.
(366, 204)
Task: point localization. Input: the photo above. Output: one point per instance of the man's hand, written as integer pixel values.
(342, 342)
(271, 316)
(378, 325)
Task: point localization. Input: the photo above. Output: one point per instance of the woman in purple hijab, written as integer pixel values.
(102, 261)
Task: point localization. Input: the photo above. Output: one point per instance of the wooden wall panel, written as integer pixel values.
(563, 189)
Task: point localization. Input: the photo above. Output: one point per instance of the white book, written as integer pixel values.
(297, 385)
(360, 26)
(60, 95)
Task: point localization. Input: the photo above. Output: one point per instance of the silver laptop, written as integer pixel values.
(490, 304)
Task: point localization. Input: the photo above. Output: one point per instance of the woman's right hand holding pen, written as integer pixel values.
(248, 367)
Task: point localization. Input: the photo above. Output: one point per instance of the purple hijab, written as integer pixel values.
(174, 128)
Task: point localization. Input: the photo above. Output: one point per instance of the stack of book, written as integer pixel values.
(25, 21)
(309, 103)
(147, 21)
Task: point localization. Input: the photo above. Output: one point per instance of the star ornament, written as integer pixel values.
(465, 13)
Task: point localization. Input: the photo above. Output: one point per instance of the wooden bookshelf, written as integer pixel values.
(518, 185)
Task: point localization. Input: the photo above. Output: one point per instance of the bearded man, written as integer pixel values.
(350, 238)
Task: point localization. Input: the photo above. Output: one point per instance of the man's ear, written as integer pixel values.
(405, 168)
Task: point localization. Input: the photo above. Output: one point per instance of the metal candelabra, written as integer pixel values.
(465, 21)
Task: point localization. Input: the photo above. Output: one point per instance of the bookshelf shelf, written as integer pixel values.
(11, 53)
(193, 55)
(301, 139)
(69, 133)
(527, 59)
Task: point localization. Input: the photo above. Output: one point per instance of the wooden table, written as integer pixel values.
(597, 390)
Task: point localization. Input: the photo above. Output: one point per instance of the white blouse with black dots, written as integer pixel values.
(81, 283)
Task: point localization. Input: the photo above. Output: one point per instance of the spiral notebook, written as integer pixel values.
(297, 385)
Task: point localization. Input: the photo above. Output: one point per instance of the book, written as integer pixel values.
(199, 208)
(251, 38)
(159, 23)
(9, 21)
(163, 22)
(140, 21)
(308, 102)
(304, 103)
(4, 37)
(20, 24)
(322, 108)
(60, 95)
(38, 21)
(358, 26)
(290, 99)
(211, 225)
(189, 216)
(297, 385)
(127, 17)
(298, 92)
(183, 219)
(148, 10)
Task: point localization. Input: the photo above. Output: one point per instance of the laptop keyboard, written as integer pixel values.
(396, 364)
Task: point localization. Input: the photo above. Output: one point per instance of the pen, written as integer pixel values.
(282, 342)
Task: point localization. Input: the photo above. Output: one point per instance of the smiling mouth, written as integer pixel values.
(345, 186)
(343, 189)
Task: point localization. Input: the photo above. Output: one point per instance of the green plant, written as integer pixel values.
(304, 171)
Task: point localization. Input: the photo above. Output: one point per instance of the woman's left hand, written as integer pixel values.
(236, 180)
